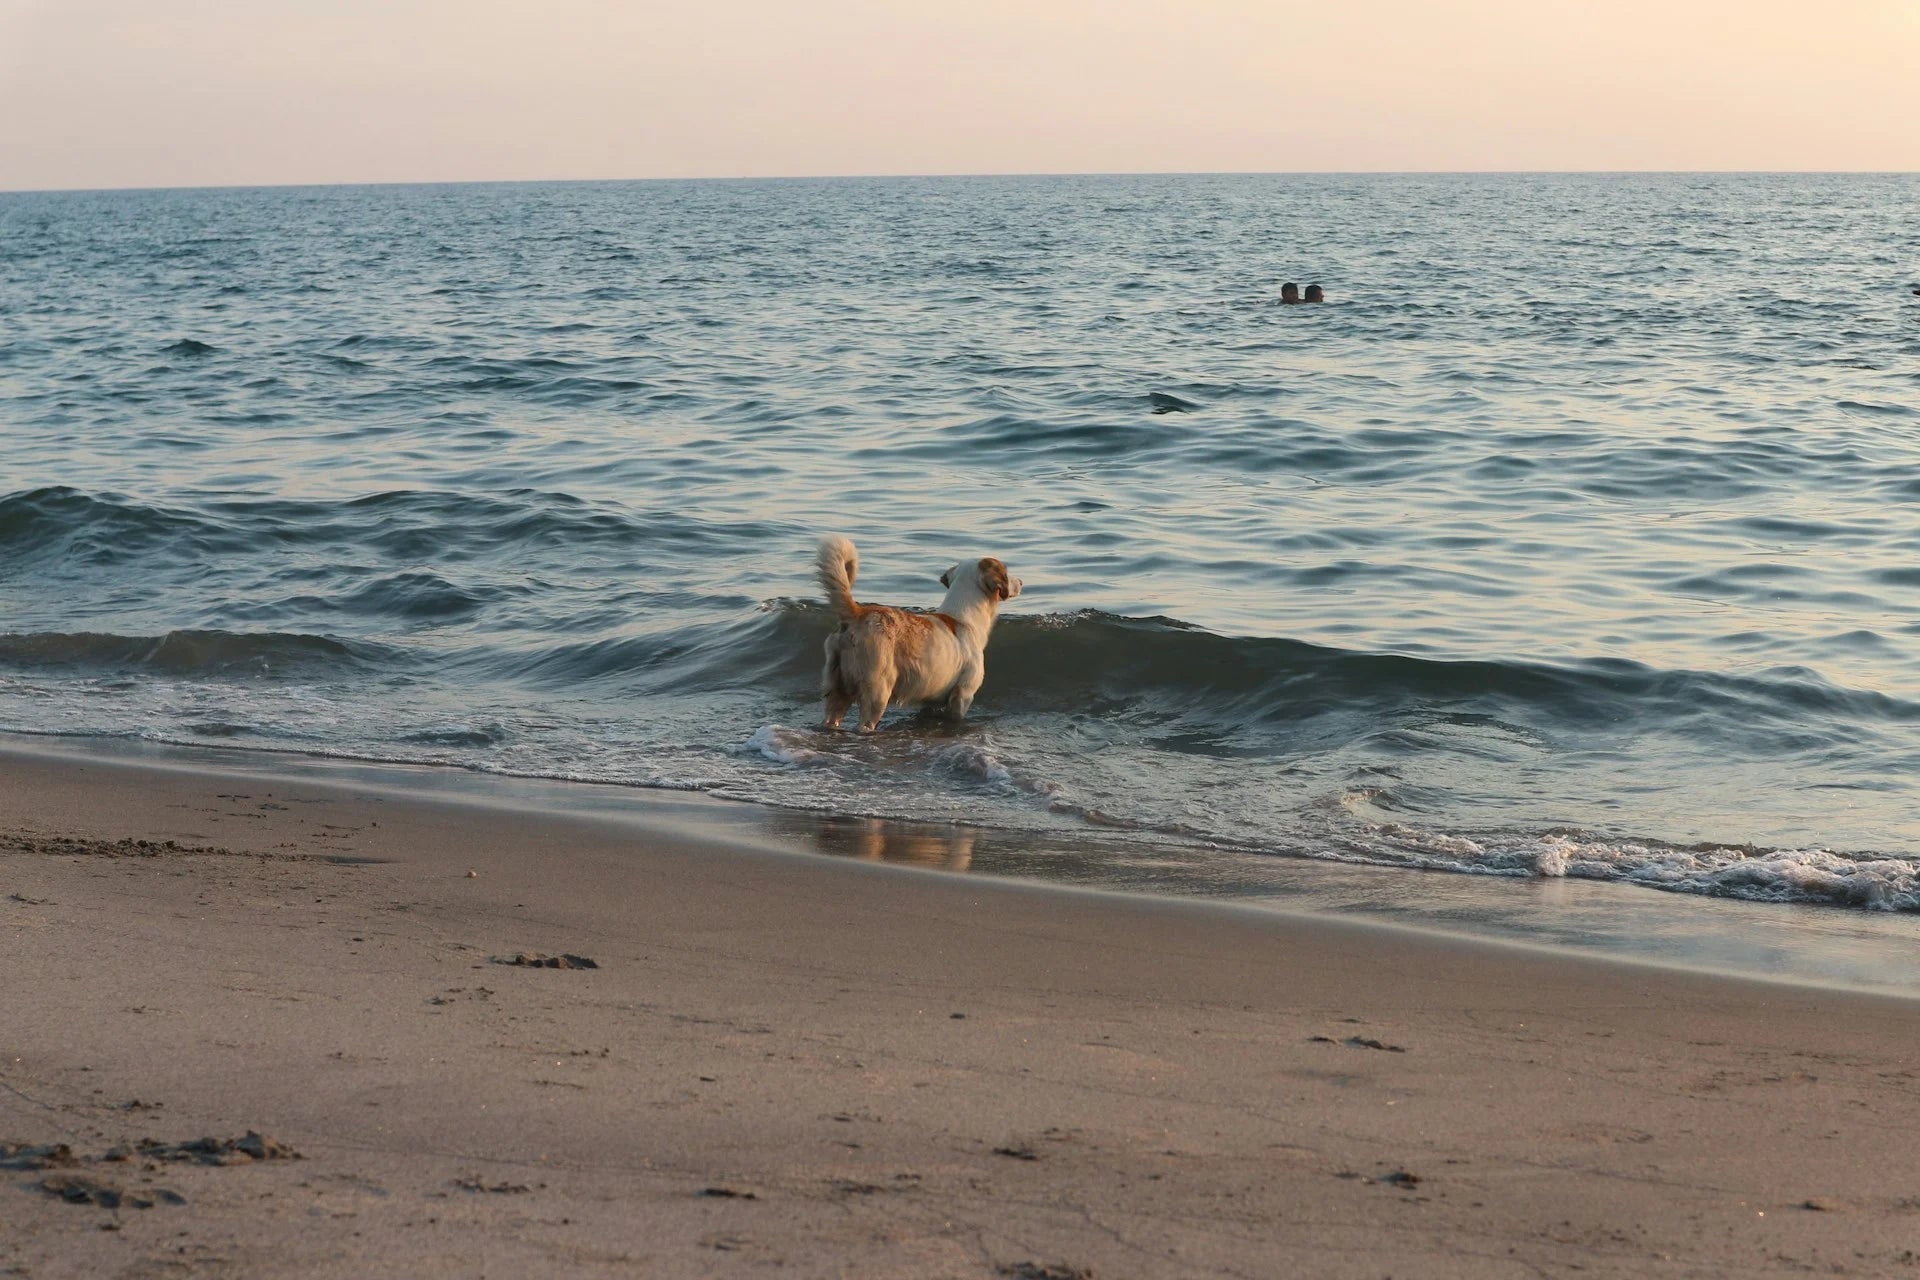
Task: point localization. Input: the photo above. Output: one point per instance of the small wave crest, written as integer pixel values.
(57, 526)
(415, 595)
(1233, 693)
(63, 526)
(1093, 658)
(182, 653)
(489, 733)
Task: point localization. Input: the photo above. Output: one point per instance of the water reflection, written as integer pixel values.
(937, 847)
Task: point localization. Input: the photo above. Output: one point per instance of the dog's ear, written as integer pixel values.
(946, 579)
(995, 580)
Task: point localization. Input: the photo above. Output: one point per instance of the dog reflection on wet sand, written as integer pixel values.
(878, 841)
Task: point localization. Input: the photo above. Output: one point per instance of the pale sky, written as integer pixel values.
(122, 93)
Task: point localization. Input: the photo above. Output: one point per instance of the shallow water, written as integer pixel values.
(1574, 538)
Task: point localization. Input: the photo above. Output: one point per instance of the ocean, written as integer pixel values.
(1575, 537)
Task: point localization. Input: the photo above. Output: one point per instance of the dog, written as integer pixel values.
(882, 655)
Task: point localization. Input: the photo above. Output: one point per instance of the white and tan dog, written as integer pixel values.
(880, 655)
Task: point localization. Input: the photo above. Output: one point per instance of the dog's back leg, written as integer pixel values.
(875, 694)
(962, 696)
(834, 688)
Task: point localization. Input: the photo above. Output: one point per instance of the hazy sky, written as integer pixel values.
(111, 93)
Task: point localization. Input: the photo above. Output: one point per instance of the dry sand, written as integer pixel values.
(786, 1063)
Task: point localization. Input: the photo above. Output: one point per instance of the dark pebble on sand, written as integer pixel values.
(31, 1157)
(1361, 1042)
(496, 1188)
(531, 960)
(77, 1189)
(242, 1150)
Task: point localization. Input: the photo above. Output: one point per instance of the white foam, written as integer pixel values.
(969, 761)
(1816, 875)
(1550, 859)
(1766, 875)
(785, 746)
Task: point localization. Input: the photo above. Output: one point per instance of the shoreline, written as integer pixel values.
(1797, 944)
(794, 1063)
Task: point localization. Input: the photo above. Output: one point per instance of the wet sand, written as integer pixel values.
(326, 1009)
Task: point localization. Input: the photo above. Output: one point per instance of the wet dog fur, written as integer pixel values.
(881, 655)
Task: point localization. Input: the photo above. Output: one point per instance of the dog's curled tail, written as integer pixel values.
(838, 565)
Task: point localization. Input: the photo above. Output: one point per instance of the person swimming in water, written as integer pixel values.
(1289, 293)
(1315, 294)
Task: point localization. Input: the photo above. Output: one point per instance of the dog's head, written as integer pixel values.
(989, 575)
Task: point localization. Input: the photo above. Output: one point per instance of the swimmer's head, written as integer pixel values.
(1289, 292)
(1316, 294)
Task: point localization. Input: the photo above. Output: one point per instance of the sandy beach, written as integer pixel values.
(783, 1063)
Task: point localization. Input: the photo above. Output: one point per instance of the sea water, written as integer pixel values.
(1576, 535)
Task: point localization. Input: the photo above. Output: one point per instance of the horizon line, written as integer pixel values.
(1034, 173)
